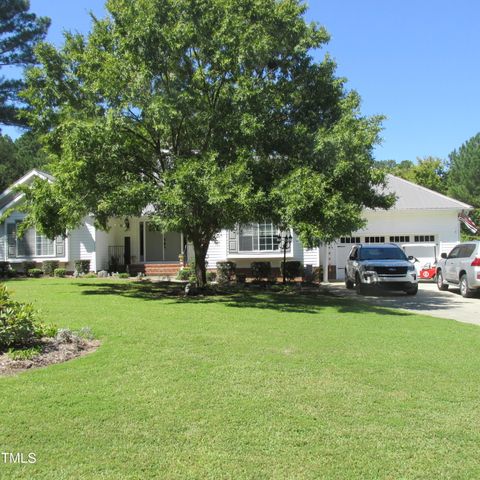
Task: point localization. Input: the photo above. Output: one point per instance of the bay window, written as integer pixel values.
(32, 244)
(258, 237)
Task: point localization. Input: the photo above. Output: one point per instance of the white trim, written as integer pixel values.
(13, 202)
(27, 176)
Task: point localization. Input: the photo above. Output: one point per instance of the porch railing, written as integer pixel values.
(116, 255)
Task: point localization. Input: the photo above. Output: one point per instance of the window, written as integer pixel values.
(32, 244)
(258, 237)
(382, 253)
(349, 240)
(424, 238)
(400, 238)
(44, 246)
(455, 252)
(374, 239)
(466, 250)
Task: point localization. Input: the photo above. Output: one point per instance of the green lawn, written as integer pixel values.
(255, 386)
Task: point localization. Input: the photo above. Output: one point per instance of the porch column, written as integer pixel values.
(145, 241)
(325, 264)
(181, 247)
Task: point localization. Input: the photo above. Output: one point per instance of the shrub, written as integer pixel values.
(123, 275)
(19, 326)
(24, 353)
(86, 333)
(60, 272)
(90, 275)
(65, 335)
(5, 269)
(260, 270)
(82, 266)
(49, 267)
(49, 331)
(185, 273)
(225, 271)
(28, 266)
(211, 276)
(293, 269)
(241, 278)
(34, 272)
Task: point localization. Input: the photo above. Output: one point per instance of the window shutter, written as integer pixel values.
(12, 240)
(2, 242)
(60, 247)
(232, 241)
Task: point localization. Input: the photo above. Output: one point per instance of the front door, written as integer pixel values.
(172, 246)
(127, 251)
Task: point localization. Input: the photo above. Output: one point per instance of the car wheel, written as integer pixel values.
(349, 284)
(465, 290)
(359, 286)
(440, 284)
(412, 291)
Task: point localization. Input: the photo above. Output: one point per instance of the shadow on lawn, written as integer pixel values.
(311, 301)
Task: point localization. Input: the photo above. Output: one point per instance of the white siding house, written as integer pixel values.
(422, 221)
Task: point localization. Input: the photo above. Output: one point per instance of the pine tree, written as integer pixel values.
(20, 31)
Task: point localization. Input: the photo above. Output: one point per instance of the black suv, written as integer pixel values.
(383, 265)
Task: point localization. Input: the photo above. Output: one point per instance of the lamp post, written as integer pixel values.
(284, 241)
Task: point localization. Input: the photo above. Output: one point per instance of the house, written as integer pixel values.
(422, 221)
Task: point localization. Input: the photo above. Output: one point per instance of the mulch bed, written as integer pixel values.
(52, 352)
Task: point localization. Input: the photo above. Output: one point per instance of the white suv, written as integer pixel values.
(461, 268)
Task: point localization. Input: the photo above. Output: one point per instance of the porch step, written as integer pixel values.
(156, 269)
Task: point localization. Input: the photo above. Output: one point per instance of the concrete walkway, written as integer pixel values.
(428, 301)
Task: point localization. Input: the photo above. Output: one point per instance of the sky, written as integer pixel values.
(415, 62)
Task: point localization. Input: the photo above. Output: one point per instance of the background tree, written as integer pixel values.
(18, 157)
(430, 172)
(7, 160)
(20, 31)
(464, 176)
(208, 113)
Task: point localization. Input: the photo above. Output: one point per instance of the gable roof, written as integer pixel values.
(411, 196)
(9, 196)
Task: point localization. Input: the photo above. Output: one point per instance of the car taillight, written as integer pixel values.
(476, 262)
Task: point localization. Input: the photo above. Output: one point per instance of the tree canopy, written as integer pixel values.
(464, 176)
(20, 31)
(430, 172)
(18, 157)
(204, 114)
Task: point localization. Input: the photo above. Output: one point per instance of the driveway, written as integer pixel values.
(428, 301)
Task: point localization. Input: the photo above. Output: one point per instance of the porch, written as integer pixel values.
(135, 245)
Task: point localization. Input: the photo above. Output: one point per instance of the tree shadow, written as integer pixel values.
(312, 301)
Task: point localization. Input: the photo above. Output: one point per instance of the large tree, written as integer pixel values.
(209, 113)
(430, 172)
(464, 176)
(18, 157)
(20, 31)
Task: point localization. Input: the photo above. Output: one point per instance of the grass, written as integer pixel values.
(249, 386)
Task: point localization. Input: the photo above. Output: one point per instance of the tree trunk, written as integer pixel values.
(200, 248)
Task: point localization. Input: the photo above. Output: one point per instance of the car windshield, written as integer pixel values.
(375, 253)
